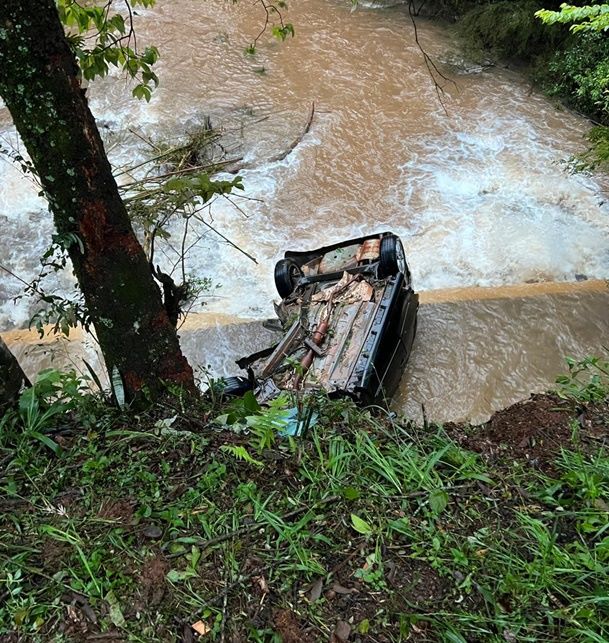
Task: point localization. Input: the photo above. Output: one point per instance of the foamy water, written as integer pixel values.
(479, 196)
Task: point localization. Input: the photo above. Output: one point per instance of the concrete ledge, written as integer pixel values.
(477, 349)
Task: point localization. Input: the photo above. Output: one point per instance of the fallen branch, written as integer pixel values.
(282, 155)
(297, 140)
(231, 243)
(216, 166)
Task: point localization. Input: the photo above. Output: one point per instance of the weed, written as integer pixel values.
(147, 527)
(587, 380)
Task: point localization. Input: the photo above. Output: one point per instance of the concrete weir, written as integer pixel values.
(477, 349)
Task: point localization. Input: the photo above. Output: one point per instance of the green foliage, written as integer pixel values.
(272, 16)
(241, 453)
(597, 156)
(263, 423)
(113, 42)
(594, 86)
(579, 74)
(587, 380)
(422, 537)
(182, 190)
(361, 526)
(192, 559)
(507, 29)
(570, 64)
(155, 202)
(281, 32)
(42, 406)
(62, 313)
(268, 422)
(587, 18)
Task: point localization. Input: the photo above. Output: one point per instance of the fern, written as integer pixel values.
(241, 453)
(266, 424)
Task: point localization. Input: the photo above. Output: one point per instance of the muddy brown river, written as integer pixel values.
(479, 194)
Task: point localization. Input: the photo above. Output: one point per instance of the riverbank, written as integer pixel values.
(176, 525)
(568, 67)
(477, 350)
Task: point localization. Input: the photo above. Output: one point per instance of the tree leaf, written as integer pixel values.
(350, 493)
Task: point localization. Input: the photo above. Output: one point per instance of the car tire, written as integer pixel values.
(392, 258)
(235, 386)
(287, 273)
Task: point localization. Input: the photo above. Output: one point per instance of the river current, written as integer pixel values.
(477, 188)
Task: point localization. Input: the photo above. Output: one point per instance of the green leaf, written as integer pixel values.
(438, 499)
(116, 614)
(241, 453)
(177, 576)
(453, 637)
(351, 493)
(94, 375)
(46, 440)
(142, 91)
(117, 388)
(361, 526)
(401, 526)
(250, 403)
(364, 626)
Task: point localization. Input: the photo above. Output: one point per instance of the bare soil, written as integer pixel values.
(533, 430)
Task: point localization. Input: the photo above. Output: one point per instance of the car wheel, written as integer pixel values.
(287, 273)
(392, 258)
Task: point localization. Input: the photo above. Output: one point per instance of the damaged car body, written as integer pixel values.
(348, 313)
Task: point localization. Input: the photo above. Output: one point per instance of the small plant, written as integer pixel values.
(270, 421)
(39, 406)
(241, 453)
(371, 572)
(586, 382)
(244, 414)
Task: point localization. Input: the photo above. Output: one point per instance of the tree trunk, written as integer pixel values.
(12, 378)
(39, 84)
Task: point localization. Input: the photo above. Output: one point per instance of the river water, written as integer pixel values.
(478, 192)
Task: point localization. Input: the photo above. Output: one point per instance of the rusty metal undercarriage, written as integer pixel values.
(348, 314)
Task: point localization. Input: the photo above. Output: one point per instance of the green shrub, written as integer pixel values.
(579, 74)
(508, 29)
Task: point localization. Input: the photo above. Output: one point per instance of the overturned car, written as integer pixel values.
(349, 317)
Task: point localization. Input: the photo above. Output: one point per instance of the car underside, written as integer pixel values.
(348, 313)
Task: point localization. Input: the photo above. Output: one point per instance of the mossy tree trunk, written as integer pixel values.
(12, 377)
(40, 86)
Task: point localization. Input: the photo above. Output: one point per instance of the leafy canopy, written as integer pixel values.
(587, 18)
(101, 37)
(586, 67)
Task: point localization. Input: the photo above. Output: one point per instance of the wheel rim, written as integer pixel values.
(400, 257)
(295, 273)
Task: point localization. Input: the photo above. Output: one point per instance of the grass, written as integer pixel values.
(138, 527)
